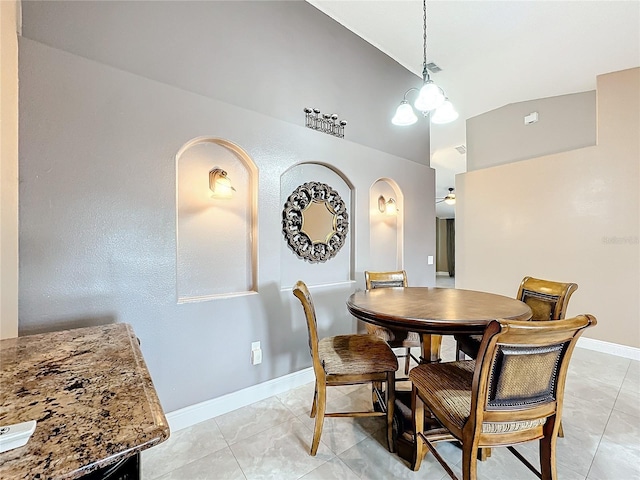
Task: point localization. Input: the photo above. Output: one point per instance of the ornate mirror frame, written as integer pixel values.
(308, 197)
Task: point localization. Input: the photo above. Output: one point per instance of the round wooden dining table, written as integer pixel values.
(433, 311)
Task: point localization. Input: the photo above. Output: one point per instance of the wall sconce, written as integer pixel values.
(219, 184)
(387, 206)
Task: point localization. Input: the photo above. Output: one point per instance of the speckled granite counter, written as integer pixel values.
(91, 394)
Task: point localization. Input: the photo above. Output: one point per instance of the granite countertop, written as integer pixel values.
(91, 394)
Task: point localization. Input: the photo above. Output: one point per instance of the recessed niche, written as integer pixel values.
(386, 227)
(216, 237)
(325, 269)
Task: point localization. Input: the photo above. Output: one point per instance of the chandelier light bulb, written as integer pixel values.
(404, 115)
(445, 113)
(431, 97)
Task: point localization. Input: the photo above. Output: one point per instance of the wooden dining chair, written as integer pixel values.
(548, 301)
(348, 360)
(511, 394)
(396, 338)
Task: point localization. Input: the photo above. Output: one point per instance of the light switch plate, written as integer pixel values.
(430, 260)
(256, 357)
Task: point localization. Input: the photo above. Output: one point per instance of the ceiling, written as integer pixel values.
(493, 53)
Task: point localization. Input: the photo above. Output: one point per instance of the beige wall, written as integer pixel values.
(8, 170)
(571, 216)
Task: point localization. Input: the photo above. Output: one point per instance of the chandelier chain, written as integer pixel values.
(424, 40)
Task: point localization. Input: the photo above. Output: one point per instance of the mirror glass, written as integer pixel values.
(318, 222)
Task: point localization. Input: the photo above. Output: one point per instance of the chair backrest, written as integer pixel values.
(301, 291)
(520, 374)
(385, 279)
(548, 300)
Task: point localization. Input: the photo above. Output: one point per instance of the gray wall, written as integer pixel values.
(98, 141)
(273, 57)
(566, 122)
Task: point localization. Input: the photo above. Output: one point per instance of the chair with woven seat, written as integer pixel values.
(548, 301)
(347, 360)
(396, 338)
(511, 394)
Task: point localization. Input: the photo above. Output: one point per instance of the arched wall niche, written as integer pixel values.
(336, 270)
(386, 232)
(216, 238)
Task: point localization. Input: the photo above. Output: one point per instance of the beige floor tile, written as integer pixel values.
(279, 453)
(590, 366)
(340, 434)
(252, 419)
(333, 469)
(628, 400)
(624, 430)
(503, 465)
(181, 448)
(221, 465)
(371, 460)
(271, 439)
(615, 462)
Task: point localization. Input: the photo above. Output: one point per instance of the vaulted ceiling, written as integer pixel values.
(493, 53)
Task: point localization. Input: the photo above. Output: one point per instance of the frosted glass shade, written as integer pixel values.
(445, 113)
(404, 115)
(431, 97)
(219, 184)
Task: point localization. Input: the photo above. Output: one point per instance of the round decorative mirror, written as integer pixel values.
(315, 222)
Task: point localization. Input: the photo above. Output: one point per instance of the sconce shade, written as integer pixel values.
(404, 115)
(430, 97)
(219, 184)
(388, 207)
(445, 113)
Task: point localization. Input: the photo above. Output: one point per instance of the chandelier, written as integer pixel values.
(431, 98)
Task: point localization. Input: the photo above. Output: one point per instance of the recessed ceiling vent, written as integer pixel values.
(433, 68)
(461, 149)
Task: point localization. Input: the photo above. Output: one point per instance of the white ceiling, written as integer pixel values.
(493, 53)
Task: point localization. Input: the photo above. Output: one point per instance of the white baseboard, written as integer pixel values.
(631, 353)
(187, 416)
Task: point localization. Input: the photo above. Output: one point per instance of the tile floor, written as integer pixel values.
(270, 439)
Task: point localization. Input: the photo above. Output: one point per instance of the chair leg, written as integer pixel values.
(315, 399)
(391, 403)
(548, 453)
(469, 460)
(417, 407)
(321, 404)
(407, 361)
(484, 454)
